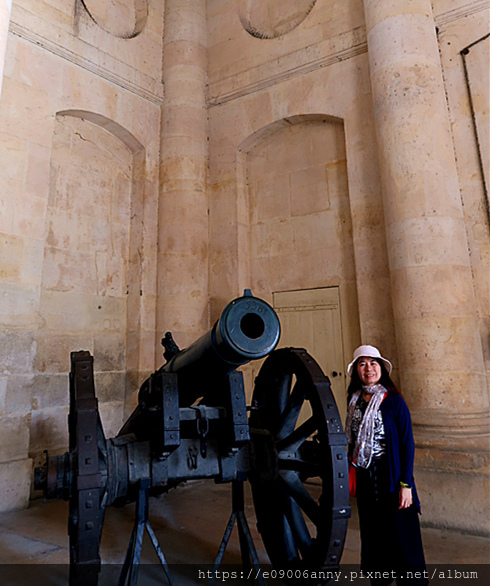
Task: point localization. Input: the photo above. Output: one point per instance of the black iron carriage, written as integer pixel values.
(192, 422)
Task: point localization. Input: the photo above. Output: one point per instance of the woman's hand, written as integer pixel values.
(405, 497)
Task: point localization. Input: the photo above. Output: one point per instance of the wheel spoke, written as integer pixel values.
(283, 391)
(293, 441)
(298, 526)
(305, 469)
(302, 497)
(290, 544)
(291, 411)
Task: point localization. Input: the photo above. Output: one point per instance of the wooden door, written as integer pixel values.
(310, 319)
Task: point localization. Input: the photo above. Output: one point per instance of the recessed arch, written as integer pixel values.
(92, 269)
(294, 174)
(114, 128)
(293, 226)
(256, 137)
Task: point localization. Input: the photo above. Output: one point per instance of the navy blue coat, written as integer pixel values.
(400, 446)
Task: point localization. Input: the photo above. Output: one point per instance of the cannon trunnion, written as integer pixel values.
(192, 422)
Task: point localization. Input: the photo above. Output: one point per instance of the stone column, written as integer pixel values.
(182, 305)
(5, 9)
(436, 323)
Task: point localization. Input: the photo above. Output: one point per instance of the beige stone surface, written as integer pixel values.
(229, 126)
(435, 309)
(182, 243)
(111, 386)
(15, 482)
(455, 35)
(15, 394)
(14, 437)
(438, 506)
(64, 29)
(433, 296)
(49, 430)
(5, 10)
(79, 148)
(274, 19)
(112, 416)
(234, 53)
(298, 222)
(119, 17)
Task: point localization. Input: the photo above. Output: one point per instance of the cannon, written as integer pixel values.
(192, 422)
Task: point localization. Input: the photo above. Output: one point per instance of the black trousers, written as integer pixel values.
(391, 543)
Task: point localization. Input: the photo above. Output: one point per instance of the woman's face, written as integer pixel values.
(369, 370)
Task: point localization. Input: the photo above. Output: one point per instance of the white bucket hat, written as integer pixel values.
(372, 352)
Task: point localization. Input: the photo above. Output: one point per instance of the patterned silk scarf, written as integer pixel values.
(363, 449)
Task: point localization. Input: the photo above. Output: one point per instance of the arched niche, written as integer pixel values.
(294, 227)
(92, 266)
(294, 179)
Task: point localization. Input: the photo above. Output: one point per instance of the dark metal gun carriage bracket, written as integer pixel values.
(192, 422)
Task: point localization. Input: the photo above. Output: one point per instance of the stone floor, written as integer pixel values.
(189, 523)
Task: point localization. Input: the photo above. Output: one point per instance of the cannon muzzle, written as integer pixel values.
(248, 329)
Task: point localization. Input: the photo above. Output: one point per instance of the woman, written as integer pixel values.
(381, 450)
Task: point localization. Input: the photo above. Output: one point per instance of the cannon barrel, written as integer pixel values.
(248, 329)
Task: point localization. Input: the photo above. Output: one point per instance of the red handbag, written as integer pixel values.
(352, 480)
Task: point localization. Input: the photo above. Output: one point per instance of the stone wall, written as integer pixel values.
(411, 259)
(300, 219)
(460, 461)
(318, 70)
(79, 142)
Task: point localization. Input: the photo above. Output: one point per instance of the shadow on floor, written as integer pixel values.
(189, 523)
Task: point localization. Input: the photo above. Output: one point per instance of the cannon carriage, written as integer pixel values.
(191, 422)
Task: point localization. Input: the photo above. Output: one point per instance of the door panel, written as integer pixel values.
(310, 319)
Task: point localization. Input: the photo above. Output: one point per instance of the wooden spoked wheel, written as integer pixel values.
(299, 469)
